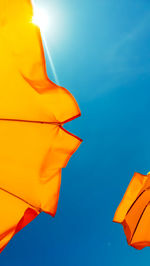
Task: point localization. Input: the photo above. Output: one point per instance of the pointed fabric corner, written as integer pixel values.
(134, 212)
(34, 144)
(14, 215)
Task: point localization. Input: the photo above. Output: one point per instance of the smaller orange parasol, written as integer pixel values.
(134, 211)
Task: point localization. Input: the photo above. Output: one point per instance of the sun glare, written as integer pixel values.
(40, 18)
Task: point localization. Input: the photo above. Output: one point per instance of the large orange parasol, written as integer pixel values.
(34, 146)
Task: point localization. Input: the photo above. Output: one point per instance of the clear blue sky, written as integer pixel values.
(101, 52)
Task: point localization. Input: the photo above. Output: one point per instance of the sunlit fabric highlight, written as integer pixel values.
(34, 144)
(134, 212)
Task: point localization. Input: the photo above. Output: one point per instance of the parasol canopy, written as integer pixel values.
(134, 212)
(34, 146)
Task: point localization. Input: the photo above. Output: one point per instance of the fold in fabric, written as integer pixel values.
(134, 211)
(34, 144)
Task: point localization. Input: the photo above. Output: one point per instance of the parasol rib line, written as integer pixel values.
(20, 199)
(31, 121)
(137, 199)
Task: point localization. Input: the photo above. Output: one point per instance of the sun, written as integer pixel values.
(40, 18)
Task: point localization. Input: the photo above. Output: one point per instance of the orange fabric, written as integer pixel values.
(134, 211)
(34, 145)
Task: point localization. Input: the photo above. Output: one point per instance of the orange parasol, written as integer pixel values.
(34, 146)
(134, 212)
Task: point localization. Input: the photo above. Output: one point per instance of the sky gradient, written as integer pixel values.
(101, 53)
